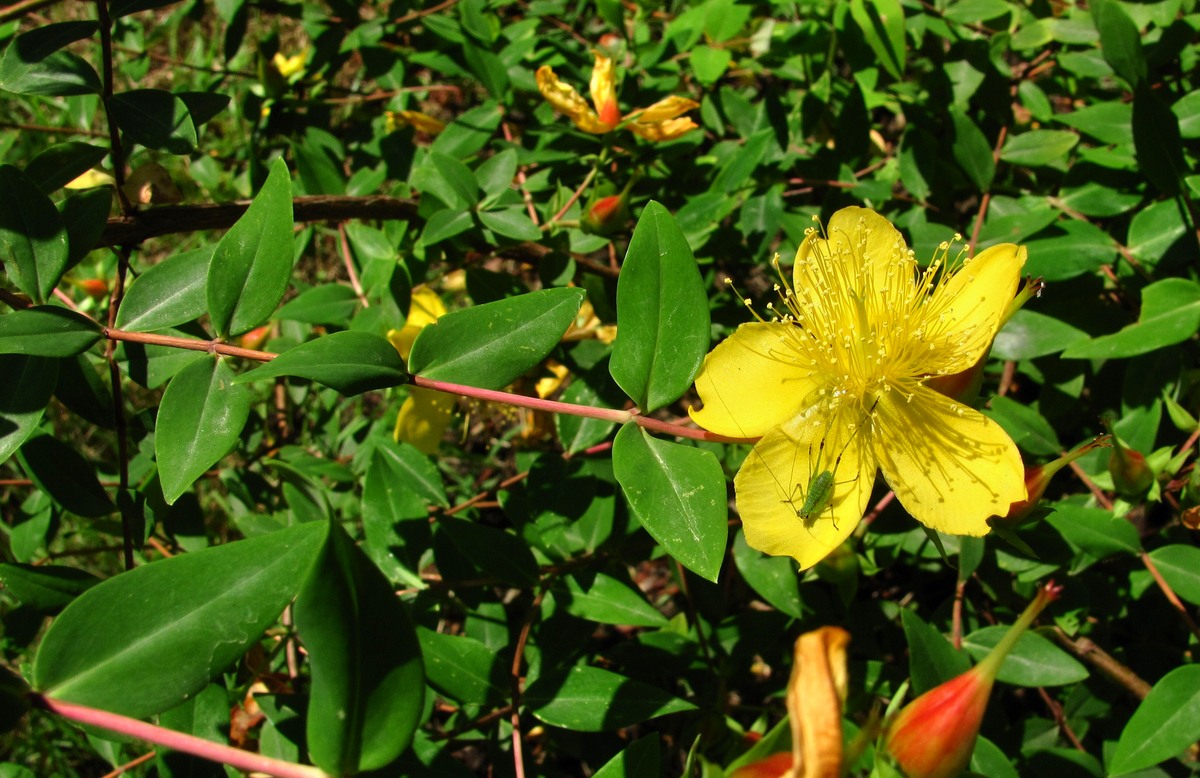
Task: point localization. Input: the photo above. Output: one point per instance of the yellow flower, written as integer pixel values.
(421, 122)
(290, 66)
(426, 413)
(835, 385)
(661, 121)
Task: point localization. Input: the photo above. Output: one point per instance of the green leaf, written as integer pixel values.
(774, 578)
(489, 345)
(1164, 725)
(84, 216)
(413, 469)
(577, 433)
(1170, 315)
(33, 241)
(59, 165)
(1077, 248)
(156, 119)
(463, 669)
(1120, 41)
(1154, 229)
(1096, 532)
(193, 616)
(326, 304)
(47, 331)
(348, 362)
(200, 418)
(171, 293)
(709, 64)
(598, 597)
(1187, 111)
(45, 587)
(1157, 142)
(932, 660)
(34, 65)
(1029, 334)
(253, 262)
(1180, 568)
(971, 150)
(447, 179)
(24, 393)
(203, 106)
(495, 176)
(640, 760)
(62, 472)
(444, 225)
(1033, 661)
(485, 550)
(1028, 428)
(662, 313)
(882, 25)
(512, 222)
(367, 676)
(677, 493)
(588, 699)
(125, 7)
(1039, 147)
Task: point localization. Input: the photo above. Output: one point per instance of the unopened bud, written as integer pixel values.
(606, 215)
(934, 735)
(1037, 478)
(1131, 475)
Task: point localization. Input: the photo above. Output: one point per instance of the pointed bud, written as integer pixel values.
(934, 735)
(1131, 475)
(1037, 478)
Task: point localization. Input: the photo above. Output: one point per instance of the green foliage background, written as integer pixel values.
(573, 598)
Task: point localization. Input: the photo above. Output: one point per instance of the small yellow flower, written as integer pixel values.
(426, 413)
(661, 121)
(290, 66)
(421, 122)
(835, 385)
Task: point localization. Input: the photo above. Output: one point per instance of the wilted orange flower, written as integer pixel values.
(661, 121)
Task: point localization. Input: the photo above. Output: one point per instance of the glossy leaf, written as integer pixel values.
(1034, 661)
(348, 362)
(882, 25)
(1029, 334)
(62, 472)
(972, 151)
(169, 294)
(1039, 147)
(47, 331)
(1157, 141)
(602, 598)
(489, 345)
(84, 216)
(588, 699)
(45, 587)
(774, 578)
(1165, 724)
(932, 660)
(1180, 568)
(200, 418)
(677, 493)
(640, 760)
(24, 393)
(467, 550)
(253, 261)
(194, 615)
(33, 241)
(1096, 532)
(63, 163)
(34, 64)
(1028, 428)
(511, 223)
(662, 313)
(464, 669)
(1170, 314)
(327, 304)
(156, 119)
(367, 675)
(1120, 41)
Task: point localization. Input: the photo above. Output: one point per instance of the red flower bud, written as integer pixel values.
(605, 215)
(934, 735)
(1037, 478)
(1131, 476)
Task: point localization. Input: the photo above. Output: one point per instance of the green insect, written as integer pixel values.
(819, 494)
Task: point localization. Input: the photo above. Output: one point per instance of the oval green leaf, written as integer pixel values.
(347, 362)
(588, 699)
(33, 241)
(61, 164)
(200, 418)
(601, 598)
(24, 393)
(45, 587)
(1180, 568)
(463, 668)
(253, 261)
(774, 578)
(1033, 661)
(465, 550)
(490, 345)
(662, 313)
(326, 304)
(1170, 315)
(932, 660)
(193, 615)
(62, 472)
(47, 331)
(168, 294)
(368, 683)
(677, 492)
(1164, 725)
(156, 119)
(34, 64)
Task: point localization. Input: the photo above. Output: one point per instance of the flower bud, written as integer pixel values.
(606, 215)
(1037, 478)
(1131, 475)
(934, 735)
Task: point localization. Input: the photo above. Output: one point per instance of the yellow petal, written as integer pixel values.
(425, 308)
(665, 130)
(816, 691)
(423, 418)
(777, 476)
(568, 101)
(970, 306)
(422, 122)
(950, 466)
(667, 108)
(866, 252)
(91, 178)
(750, 384)
(603, 88)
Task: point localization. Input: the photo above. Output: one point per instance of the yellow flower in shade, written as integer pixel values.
(421, 122)
(290, 66)
(661, 121)
(835, 385)
(815, 694)
(426, 413)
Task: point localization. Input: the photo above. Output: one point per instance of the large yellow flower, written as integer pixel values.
(834, 384)
(661, 121)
